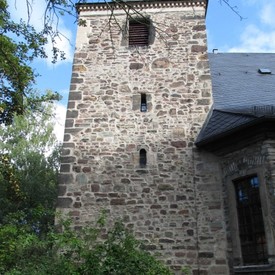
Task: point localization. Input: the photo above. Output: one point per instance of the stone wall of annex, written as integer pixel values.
(255, 159)
(175, 203)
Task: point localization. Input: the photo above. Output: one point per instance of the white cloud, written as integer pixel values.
(254, 39)
(267, 14)
(18, 9)
(260, 37)
(59, 121)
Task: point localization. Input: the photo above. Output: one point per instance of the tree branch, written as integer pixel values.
(233, 8)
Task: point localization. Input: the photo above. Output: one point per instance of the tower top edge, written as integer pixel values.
(141, 4)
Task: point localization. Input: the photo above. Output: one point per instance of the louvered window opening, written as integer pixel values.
(138, 33)
(251, 224)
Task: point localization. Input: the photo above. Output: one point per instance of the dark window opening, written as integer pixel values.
(142, 158)
(143, 103)
(139, 32)
(251, 224)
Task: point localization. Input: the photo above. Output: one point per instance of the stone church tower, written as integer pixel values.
(140, 93)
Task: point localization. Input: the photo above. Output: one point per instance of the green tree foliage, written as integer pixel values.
(20, 44)
(28, 171)
(90, 251)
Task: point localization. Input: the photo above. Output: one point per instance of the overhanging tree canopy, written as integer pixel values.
(20, 44)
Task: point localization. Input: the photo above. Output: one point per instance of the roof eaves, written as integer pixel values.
(139, 4)
(201, 143)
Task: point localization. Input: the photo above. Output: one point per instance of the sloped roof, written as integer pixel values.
(237, 83)
(242, 96)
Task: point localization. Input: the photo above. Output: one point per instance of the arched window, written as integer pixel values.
(142, 158)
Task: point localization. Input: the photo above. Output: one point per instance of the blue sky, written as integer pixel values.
(255, 33)
(226, 32)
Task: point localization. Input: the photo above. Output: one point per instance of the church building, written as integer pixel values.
(177, 143)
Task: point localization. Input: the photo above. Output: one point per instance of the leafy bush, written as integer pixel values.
(90, 251)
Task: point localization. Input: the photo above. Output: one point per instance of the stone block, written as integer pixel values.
(65, 178)
(135, 66)
(205, 77)
(206, 254)
(68, 145)
(86, 169)
(180, 254)
(64, 202)
(199, 28)
(75, 96)
(77, 168)
(149, 247)
(124, 89)
(165, 187)
(67, 159)
(204, 101)
(65, 152)
(76, 80)
(125, 181)
(79, 68)
(62, 189)
(118, 201)
(202, 65)
(160, 63)
(67, 137)
(81, 55)
(95, 187)
(166, 240)
(81, 179)
(178, 144)
(71, 105)
(177, 84)
(146, 190)
(69, 123)
(77, 204)
(72, 114)
(65, 168)
(136, 102)
(198, 49)
(155, 206)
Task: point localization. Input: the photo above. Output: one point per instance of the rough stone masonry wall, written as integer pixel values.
(166, 203)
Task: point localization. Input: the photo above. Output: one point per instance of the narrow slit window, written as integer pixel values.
(251, 223)
(143, 103)
(139, 32)
(142, 158)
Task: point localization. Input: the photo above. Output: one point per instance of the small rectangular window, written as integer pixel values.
(251, 224)
(143, 103)
(139, 32)
(142, 158)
